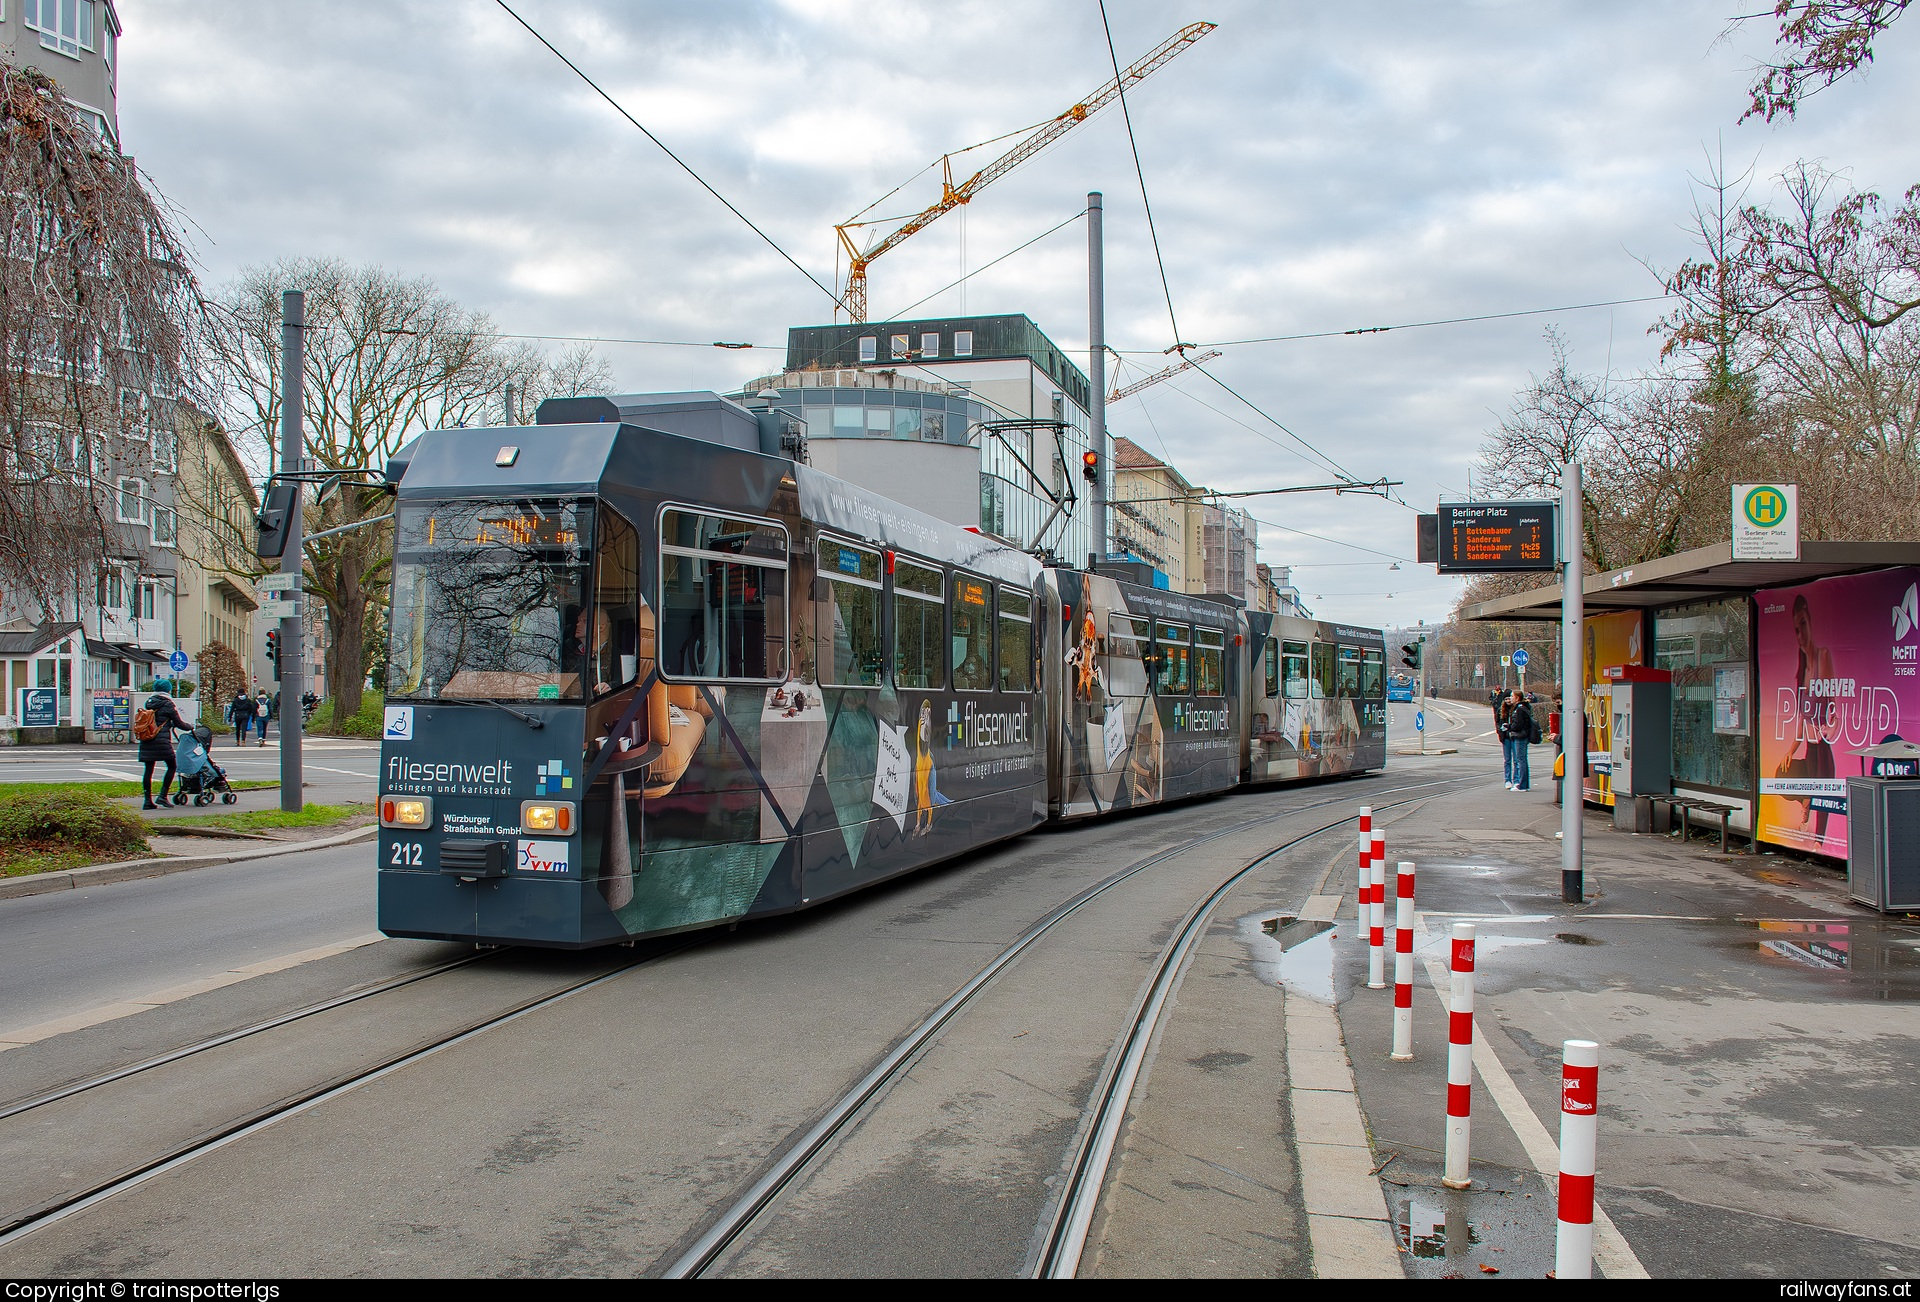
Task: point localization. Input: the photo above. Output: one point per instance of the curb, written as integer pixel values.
(135, 869)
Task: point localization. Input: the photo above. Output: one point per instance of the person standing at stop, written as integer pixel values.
(1517, 733)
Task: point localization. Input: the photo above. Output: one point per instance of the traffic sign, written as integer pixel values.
(1520, 658)
(1505, 661)
(281, 582)
(1766, 522)
(178, 661)
(1420, 720)
(283, 609)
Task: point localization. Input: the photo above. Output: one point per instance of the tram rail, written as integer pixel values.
(793, 1158)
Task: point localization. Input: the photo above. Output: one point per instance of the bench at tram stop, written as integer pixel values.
(1679, 807)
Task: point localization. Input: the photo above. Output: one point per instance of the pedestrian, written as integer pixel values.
(1520, 732)
(153, 729)
(261, 710)
(1502, 703)
(240, 714)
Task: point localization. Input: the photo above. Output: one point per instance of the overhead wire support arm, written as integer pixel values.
(952, 196)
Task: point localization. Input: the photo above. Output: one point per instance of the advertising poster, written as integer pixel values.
(1615, 638)
(1838, 660)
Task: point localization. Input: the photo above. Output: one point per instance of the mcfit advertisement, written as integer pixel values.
(1838, 666)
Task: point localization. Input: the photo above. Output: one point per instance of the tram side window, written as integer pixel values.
(1350, 673)
(1175, 678)
(723, 597)
(1128, 656)
(1293, 660)
(1326, 673)
(919, 611)
(1373, 680)
(610, 644)
(1016, 640)
(849, 617)
(1208, 648)
(1270, 661)
(972, 635)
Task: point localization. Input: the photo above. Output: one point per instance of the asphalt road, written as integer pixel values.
(69, 951)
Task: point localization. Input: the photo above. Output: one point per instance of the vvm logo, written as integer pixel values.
(1765, 507)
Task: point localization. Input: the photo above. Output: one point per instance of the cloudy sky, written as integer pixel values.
(1312, 168)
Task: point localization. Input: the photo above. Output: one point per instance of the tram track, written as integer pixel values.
(1067, 1225)
(793, 1157)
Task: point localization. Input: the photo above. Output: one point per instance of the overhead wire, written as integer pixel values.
(684, 166)
(1120, 84)
(895, 316)
(1421, 325)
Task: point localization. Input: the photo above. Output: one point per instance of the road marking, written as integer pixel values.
(321, 768)
(1610, 1248)
(173, 994)
(124, 775)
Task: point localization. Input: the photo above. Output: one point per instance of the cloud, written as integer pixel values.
(1312, 168)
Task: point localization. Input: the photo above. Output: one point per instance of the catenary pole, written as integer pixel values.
(1573, 688)
(1097, 357)
(293, 457)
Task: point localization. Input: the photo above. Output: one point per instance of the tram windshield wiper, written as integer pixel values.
(532, 721)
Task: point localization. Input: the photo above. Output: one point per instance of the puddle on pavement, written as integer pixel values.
(1297, 956)
(1503, 1227)
(1429, 1222)
(1880, 959)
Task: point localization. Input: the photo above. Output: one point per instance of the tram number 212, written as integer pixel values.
(408, 854)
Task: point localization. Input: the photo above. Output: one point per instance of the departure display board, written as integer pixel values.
(1496, 537)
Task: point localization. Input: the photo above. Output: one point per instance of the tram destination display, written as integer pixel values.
(1496, 537)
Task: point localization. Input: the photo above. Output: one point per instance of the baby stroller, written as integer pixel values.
(200, 777)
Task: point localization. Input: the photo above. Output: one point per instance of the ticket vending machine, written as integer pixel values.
(1641, 716)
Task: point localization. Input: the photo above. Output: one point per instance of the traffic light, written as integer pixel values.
(273, 651)
(1410, 653)
(1090, 464)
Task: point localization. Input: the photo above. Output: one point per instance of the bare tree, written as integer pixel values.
(97, 309)
(387, 357)
(1822, 41)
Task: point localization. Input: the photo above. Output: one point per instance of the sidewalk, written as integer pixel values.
(1757, 1043)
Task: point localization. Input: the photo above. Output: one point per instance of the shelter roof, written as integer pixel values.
(1698, 575)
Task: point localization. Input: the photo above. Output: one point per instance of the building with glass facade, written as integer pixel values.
(980, 421)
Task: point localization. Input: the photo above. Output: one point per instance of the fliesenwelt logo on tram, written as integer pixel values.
(1188, 719)
(414, 777)
(969, 727)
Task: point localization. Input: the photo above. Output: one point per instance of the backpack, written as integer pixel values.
(1534, 735)
(145, 726)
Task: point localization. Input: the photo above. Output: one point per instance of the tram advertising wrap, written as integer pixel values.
(639, 684)
(1838, 665)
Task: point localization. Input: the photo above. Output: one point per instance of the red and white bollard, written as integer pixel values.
(1363, 892)
(1579, 1126)
(1377, 916)
(1403, 965)
(1460, 1060)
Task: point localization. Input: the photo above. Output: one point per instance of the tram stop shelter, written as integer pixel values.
(1781, 670)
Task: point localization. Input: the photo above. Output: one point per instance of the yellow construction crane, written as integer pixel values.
(952, 196)
(1186, 364)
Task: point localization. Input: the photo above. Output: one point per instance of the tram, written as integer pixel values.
(641, 683)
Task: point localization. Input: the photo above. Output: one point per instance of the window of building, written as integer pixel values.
(1208, 651)
(963, 343)
(869, 348)
(930, 345)
(143, 599)
(933, 426)
(1350, 663)
(902, 346)
(723, 597)
(919, 611)
(972, 634)
(135, 413)
(64, 25)
(906, 422)
(1175, 677)
(849, 615)
(848, 421)
(1016, 640)
(166, 527)
(879, 421)
(1060, 407)
(133, 501)
(1373, 677)
(166, 451)
(1326, 672)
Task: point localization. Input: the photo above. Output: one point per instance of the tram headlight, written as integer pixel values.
(397, 811)
(547, 816)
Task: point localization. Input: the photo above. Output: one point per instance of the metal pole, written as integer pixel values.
(508, 406)
(1421, 690)
(1573, 693)
(1097, 359)
(293, 456)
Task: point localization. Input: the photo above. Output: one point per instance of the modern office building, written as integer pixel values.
(981, 421)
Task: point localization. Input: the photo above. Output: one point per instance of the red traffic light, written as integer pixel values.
(1090, 460)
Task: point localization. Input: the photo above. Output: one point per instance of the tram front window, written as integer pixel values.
(488, 600)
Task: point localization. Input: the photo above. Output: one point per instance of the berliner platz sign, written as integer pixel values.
(1766, 522)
